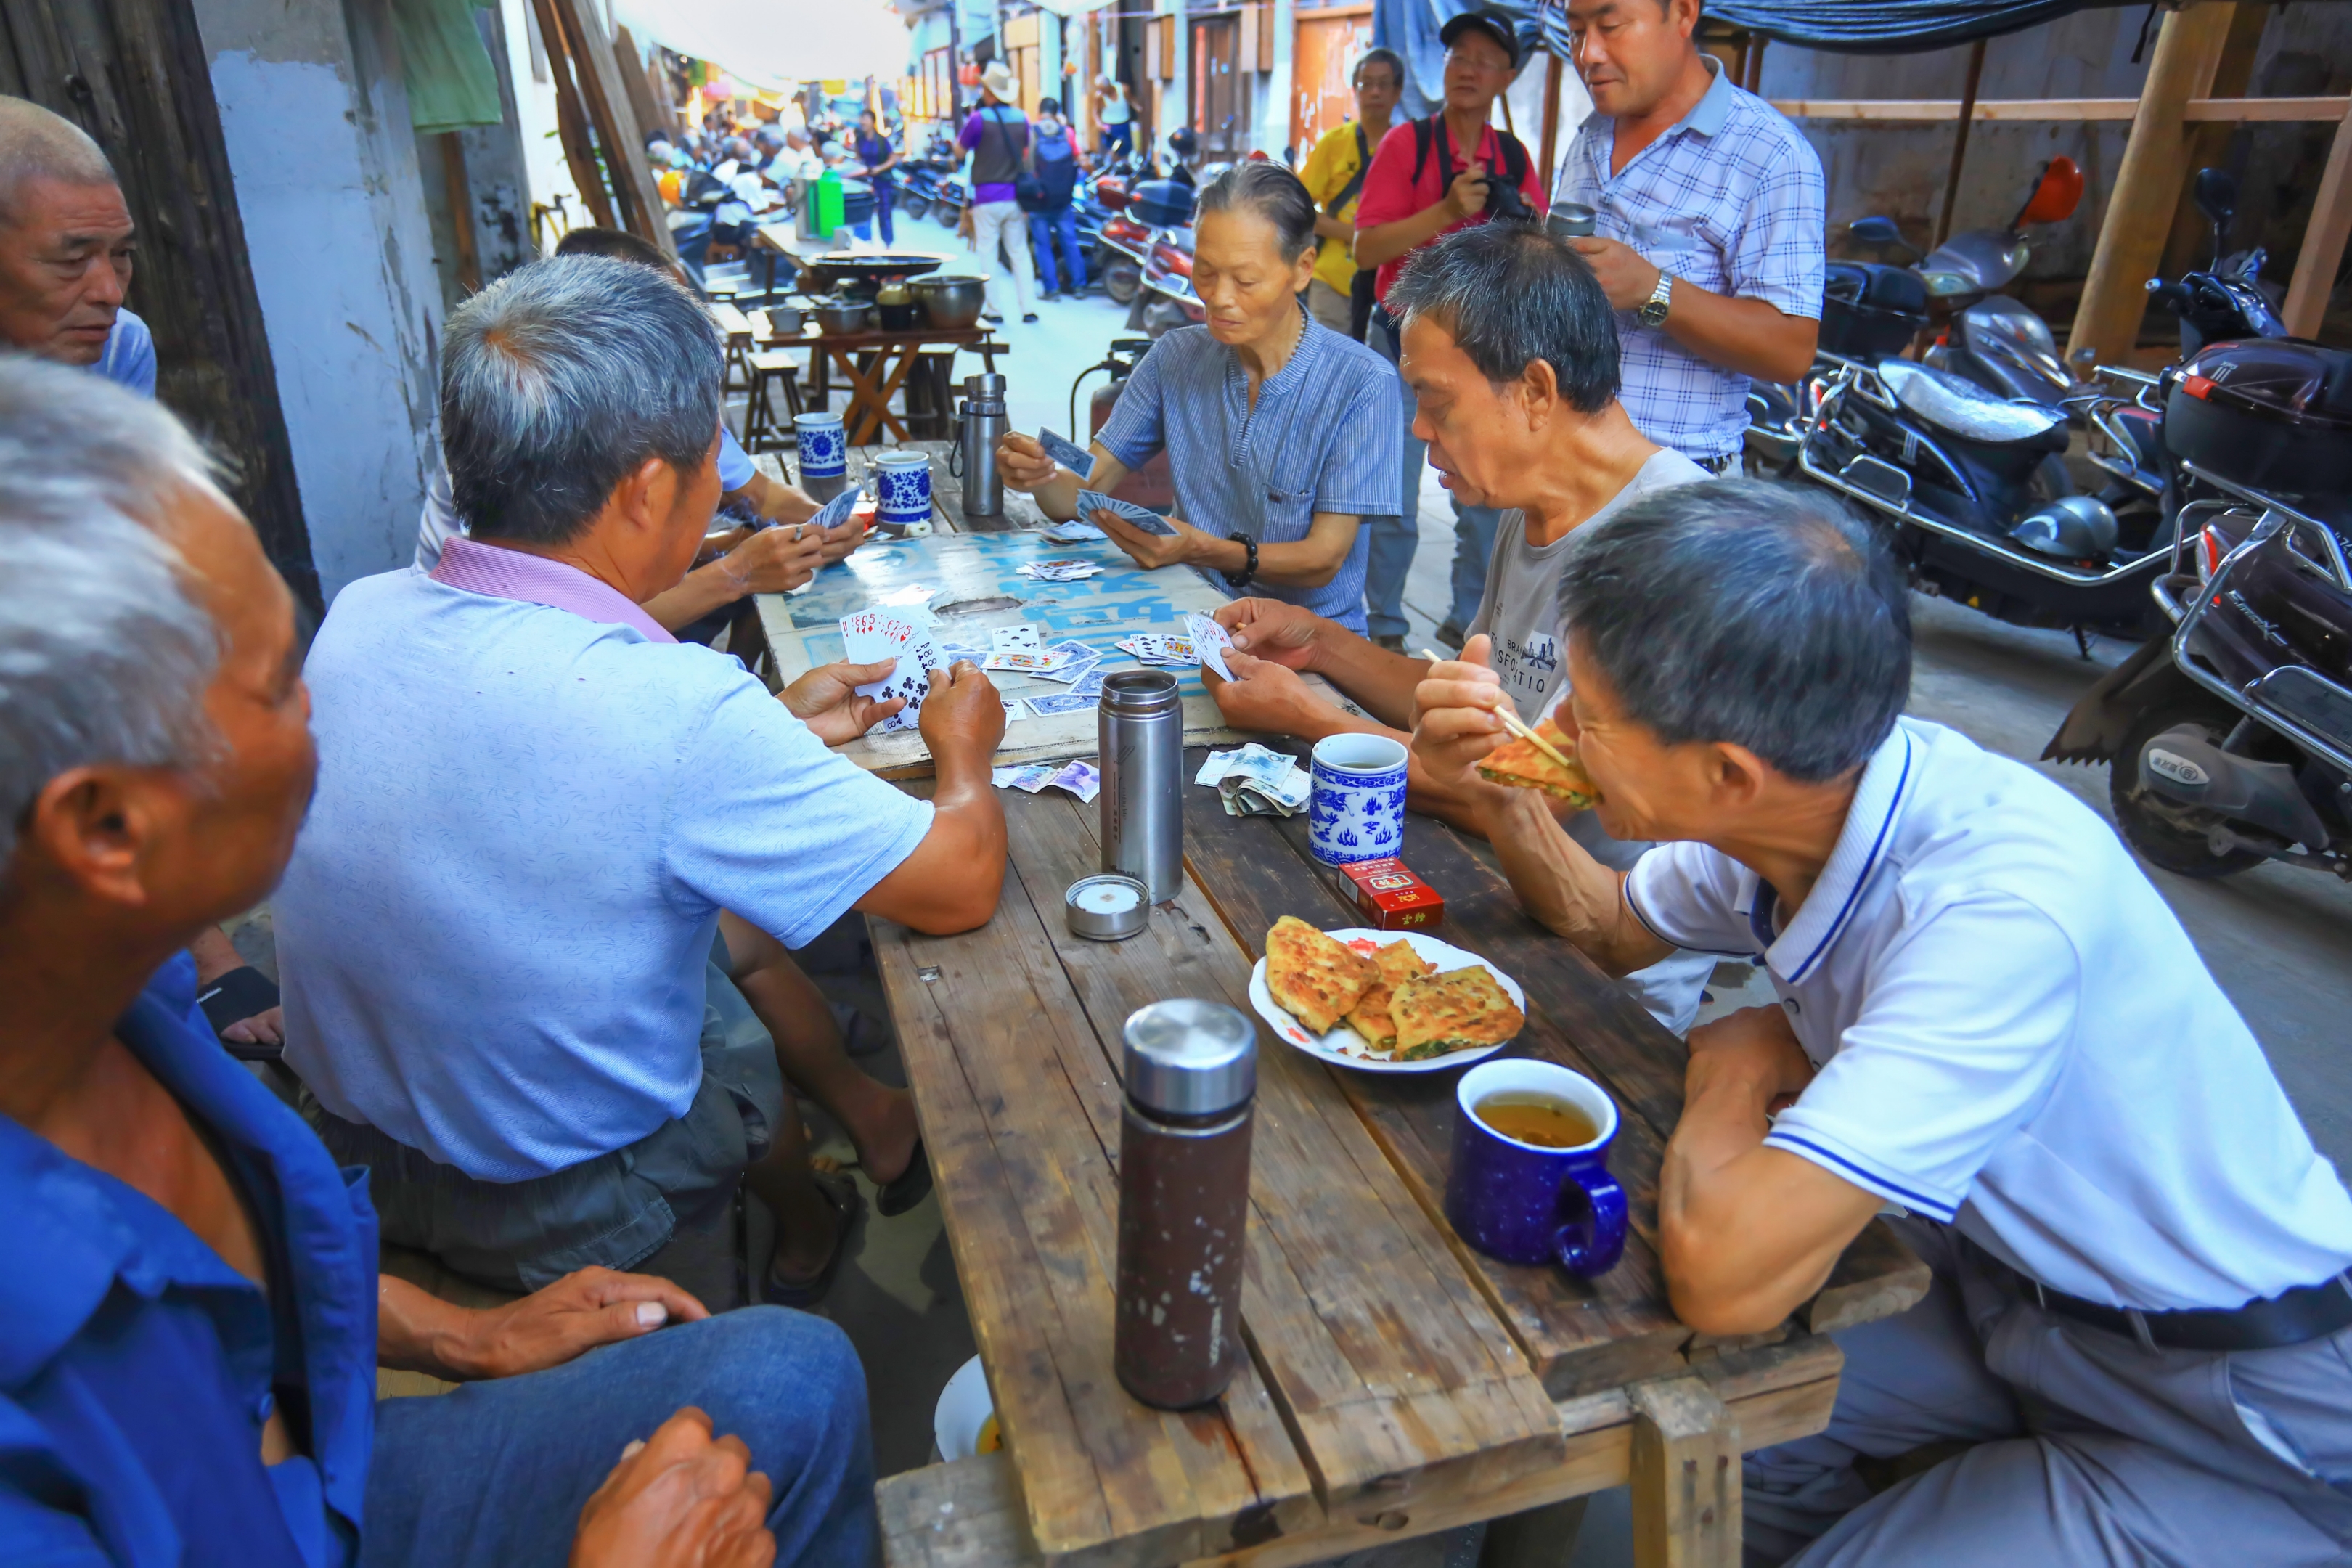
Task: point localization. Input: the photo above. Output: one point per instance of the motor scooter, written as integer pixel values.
(2230, 737)
(1151, 271)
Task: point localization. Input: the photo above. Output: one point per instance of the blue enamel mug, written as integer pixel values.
(1526, 1203)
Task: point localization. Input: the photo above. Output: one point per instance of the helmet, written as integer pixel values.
(2072, 528)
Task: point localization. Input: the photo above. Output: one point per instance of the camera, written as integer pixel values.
(1504, 203)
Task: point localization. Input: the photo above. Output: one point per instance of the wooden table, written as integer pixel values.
(1398, 1383)
(971, 578)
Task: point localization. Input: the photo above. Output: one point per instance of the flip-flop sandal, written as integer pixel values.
(911, 1186)
(849, 1203)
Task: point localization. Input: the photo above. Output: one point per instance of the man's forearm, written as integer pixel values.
(1378, 247)
(1746, 335)
(1329, 227)
(778, 502)
(1381, 681)
(704, 589)
(1565, 890)
(415, 1331)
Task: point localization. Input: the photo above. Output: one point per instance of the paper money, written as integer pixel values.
(1080, 779)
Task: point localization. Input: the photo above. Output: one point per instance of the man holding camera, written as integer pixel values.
(1706, 231)
(1429, 178)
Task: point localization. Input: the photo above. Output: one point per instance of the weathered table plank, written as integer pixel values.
(1394, 1375)
(970, 1515)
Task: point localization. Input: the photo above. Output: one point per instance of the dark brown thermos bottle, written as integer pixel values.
(1183, 1200)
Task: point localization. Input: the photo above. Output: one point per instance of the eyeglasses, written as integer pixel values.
(1457, 55)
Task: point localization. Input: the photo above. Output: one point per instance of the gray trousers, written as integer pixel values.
(663, 1204)
(2087, 1448)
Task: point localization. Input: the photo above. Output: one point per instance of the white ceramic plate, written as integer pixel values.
(1346, 1047)
(964, 1407)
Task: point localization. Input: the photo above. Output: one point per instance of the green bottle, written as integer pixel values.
(828, 204)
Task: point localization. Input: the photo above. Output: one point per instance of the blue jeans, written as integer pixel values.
(495, 1473)
(884, 192)
(1120, 136)
(1042, 228)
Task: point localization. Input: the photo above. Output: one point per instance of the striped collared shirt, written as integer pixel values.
(1730, 199)
(1323, 437)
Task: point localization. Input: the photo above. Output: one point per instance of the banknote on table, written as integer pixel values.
(1245, 796)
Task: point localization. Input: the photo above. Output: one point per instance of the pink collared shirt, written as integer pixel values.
(502, 574)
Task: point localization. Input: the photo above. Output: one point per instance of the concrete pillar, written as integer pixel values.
(1274, 98)
(316, 125)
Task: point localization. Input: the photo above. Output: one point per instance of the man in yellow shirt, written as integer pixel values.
(1334, 176)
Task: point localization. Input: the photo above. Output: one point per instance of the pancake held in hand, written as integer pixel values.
(1316, 979)
(1396, 962)
(1459, 1010)
(1519, 764)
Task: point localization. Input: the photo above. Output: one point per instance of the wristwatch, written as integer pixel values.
(1652, 310)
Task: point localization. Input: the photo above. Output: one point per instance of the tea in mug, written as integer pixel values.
(1542, 1120)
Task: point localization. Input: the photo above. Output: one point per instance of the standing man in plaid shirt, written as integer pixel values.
(1708, 225)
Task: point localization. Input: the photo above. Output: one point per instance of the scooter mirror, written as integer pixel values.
(1875, 231)
(2056, 195)
(2217, 196)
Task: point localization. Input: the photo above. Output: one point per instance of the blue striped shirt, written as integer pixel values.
(1731, 199)
(1323, 437)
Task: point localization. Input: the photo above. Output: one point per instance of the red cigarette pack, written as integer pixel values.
(1391, 898)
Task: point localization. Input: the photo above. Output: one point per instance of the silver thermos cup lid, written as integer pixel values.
(1190, 1057)
(1139, 693)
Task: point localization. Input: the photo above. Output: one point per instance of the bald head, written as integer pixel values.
(65, 237)
(36, 144)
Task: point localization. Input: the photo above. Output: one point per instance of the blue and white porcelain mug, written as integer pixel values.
(901, 482)
(824, 446)
(1356, 809)
(1535, 1203)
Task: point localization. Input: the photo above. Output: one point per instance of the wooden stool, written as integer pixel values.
(762, 428)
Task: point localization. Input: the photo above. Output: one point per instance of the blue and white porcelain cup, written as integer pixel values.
(1356, 809)
(901, 482)
(824, 446)
(1527, 1204)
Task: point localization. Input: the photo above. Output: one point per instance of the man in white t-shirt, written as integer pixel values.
(1988, 1019)
(1510, 349)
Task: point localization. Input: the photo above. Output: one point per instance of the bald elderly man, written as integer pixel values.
(65, 250)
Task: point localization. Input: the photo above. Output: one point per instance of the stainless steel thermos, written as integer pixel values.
(1191, 1074)
(1140, 727)
(983, 428)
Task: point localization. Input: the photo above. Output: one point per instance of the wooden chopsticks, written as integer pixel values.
(1515, 724)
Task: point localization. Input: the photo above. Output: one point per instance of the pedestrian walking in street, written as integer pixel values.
(1341, 294)
(1058, 161)
(879, 157)
(1115, 114)
(998, 138)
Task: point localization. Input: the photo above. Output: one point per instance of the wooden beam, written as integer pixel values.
(2323, 242)
(571, 120)
(638, 205)
(1960, 139)
(2233, 71)
(637, 85)
(1754, 80)
(1685, 1477)
(461, 210)
(1553, 74)
(2148, 186)
(1930, 111)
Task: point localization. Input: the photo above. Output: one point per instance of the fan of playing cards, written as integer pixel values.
(1069, 571)
(871, 636)
(1134, 516)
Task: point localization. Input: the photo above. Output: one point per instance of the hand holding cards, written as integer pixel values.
(1209, 639)
(871, 636)
(1134, 516)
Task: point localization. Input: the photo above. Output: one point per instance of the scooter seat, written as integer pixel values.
(1952, 403)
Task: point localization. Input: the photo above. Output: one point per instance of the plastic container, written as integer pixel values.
(1870, 310)
(2270, 414)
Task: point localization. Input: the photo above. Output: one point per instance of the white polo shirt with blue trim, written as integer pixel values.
(2014, 1036)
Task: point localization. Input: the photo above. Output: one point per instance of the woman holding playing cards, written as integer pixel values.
(1280, 433)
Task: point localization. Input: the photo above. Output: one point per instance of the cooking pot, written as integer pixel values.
(786, 321)
(837, 317)
(951, 302)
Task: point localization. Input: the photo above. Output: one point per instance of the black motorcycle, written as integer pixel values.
(2230, 738)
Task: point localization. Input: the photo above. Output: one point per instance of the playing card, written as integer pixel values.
(953, 652)
(1070, 674)
(1073, 532)
(1089, 685)
(1210, 639)
(1092, 502)
(1076, 458)
(1060, 703)
(1022, 639)
(835, 512)
(871, 636)
(1074, 648)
